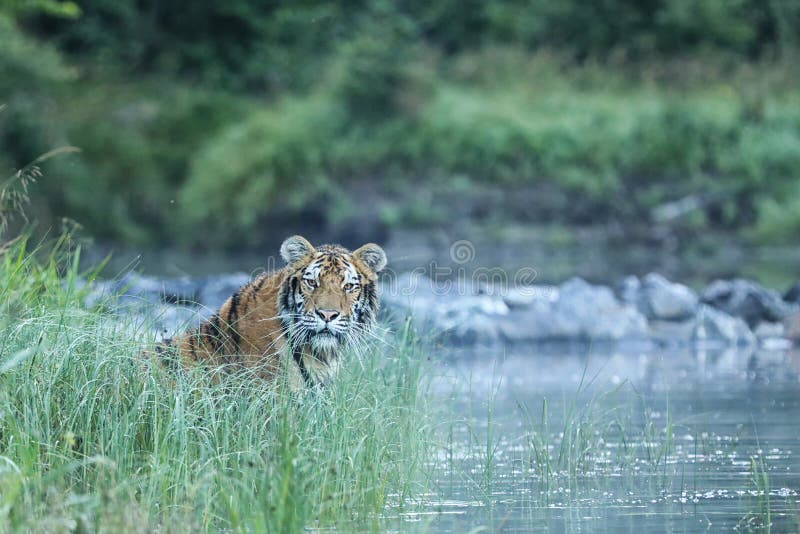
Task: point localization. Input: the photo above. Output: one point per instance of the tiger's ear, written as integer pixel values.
(295, 248)
(372, 256)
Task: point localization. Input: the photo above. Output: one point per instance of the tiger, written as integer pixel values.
(295, 322)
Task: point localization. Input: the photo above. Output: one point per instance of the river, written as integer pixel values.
(608, 442)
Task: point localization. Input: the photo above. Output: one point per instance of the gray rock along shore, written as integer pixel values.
(646, 312)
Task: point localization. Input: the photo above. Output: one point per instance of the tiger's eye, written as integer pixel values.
(311, 282)
(349, 286)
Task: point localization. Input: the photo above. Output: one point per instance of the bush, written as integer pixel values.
(649, 146)
(636, 29)
(271, 163)
(249, 45)
(135, 144)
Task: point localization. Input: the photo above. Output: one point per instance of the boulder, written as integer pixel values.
(629, 290)
(444, 309)
(766, 330)
(215, 290)
(574, 311)
(673, 333)
(715, 325)
(473, 322)
(150, 289)
(526, 296)
(168, 320)
(792, 295)
(660, 299)
(747, 300)
(791, 326)
(578, 311)
(595, 312)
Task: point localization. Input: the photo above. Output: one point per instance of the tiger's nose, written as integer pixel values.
(328, 315)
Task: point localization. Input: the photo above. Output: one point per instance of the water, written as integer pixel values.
(676, 442)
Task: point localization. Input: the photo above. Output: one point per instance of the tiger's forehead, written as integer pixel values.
(327, 263)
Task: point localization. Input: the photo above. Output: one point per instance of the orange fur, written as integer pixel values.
(296, 320)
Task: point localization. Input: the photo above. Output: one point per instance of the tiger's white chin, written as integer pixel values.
(324, 342)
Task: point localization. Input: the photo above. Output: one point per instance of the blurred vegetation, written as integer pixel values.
(203, 123)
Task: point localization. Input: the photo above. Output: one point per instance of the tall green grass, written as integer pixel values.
(596, 436)
(90, 439)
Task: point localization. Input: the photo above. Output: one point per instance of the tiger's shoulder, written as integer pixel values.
(247, 323)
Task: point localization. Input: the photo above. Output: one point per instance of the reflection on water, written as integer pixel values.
(617, 442)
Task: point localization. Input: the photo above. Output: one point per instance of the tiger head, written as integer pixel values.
(329, 299)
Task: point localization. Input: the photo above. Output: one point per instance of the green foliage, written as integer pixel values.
(52, 8)
(271, 163)
(614, 29)
(136, 143)
(240, 45)
(373, 77)
(645, 144)
(245, 44)
(237, 115)
(24, 60)
(779, 220)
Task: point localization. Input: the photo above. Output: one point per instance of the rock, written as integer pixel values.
(747, 300)
(535, 324)
(168, 305)
(150, 289)
(444, 309)
(182, 290)
(673, 333)
(791, 326)
(766, 330)
(709, 327)
(771, 336)
(715, 325)
(216, 289)
(629, 289)
(526, 296)
(580, 311)
(574, 311)
(471, 323)
(596, 312)
(792, 295)
(168, 320)
(410, 287)
(661, 299)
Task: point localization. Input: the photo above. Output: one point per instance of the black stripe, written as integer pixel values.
(166, 354)
(369, 299)
(286, 290)
(191, 345)
(297, 354)
(259, 283)
(212, 333)
(233, 316)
